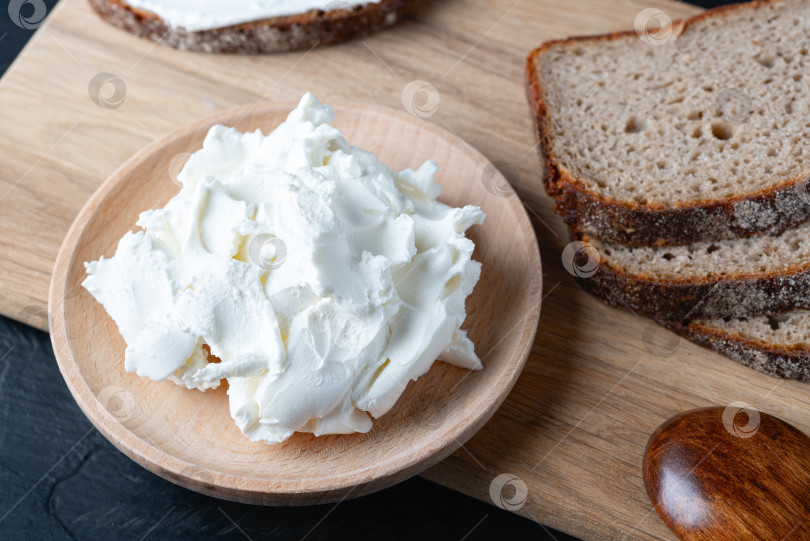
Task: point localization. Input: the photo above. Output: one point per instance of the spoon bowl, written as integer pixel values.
(729, 474)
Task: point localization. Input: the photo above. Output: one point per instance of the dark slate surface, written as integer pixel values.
(60, 479)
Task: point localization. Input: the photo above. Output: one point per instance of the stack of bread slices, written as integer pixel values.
(680, 157)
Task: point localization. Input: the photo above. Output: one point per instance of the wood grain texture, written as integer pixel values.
(730, 473)
(189, 437)
(598, 381)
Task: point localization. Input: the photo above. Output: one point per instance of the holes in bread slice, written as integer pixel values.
(775, 321)
(634, 125)
(723, 130)
(766, 60)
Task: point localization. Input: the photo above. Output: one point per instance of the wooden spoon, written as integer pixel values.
(730, 473)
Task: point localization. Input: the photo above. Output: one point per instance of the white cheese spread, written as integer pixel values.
(196, 15)
(321, 280)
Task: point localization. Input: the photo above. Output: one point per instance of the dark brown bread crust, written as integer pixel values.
(679, 300)
(770, 359)
(768, 211)
(267, 36)
(738, 295)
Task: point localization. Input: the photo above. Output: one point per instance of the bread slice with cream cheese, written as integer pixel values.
(340, 21)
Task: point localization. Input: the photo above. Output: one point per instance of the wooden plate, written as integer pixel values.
(189, 438)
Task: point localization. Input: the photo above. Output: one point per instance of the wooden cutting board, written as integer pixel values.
(599, 380)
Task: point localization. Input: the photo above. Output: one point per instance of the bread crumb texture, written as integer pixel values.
(789, 330)
(767, 254)
(719, 110)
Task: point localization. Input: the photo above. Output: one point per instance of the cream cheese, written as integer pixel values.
(323, 281)
(196, 15)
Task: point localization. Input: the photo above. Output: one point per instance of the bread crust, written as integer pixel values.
(771, 359)
(277, 34)
(734, 295)
(766, 211)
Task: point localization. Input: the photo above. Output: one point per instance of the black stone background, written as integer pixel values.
(60, 479)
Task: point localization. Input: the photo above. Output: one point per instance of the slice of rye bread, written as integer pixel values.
(762, 274)
(271, 35)
(698, 138)
(776, 345)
